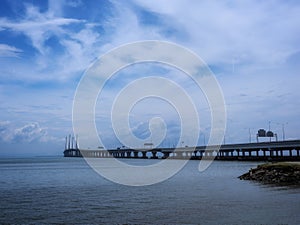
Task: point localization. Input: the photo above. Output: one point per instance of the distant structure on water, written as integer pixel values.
(71, 147)
(260, 151)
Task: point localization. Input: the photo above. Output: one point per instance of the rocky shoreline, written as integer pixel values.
(281, 173)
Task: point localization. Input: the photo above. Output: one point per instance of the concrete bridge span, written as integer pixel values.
(263, 151)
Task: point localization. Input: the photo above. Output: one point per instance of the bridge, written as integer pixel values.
(263, 151)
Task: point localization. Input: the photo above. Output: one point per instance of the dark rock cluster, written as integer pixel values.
(274, 173)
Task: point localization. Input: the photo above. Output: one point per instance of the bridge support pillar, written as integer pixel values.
(195, 154)
(154, 156)
(166, 155)
(144, 156)
(201, 153)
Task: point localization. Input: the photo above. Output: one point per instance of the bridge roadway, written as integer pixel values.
(263, 151)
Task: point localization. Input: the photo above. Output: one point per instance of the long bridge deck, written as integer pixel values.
(263, 151)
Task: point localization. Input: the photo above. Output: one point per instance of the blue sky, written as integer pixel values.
(45, 46)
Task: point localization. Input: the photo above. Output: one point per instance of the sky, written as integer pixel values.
(252, 47)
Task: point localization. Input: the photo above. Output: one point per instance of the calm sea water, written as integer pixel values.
(67, 190)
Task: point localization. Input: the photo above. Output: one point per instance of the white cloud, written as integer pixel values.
(9, 51)
(247, 33)
(221, 31)
(76, 52)
(4, 130)
(74, 3)
(38, 27)
(28, 133)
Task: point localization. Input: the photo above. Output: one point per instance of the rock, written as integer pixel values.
(274, 173)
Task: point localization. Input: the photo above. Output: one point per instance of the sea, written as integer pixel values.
(58, 190)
